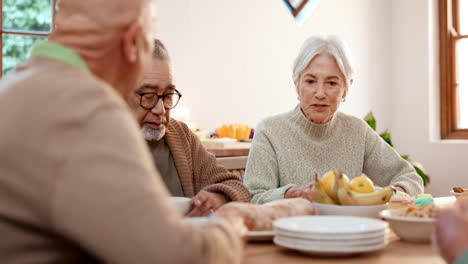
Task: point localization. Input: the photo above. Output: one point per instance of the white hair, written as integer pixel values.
(316, 45)
(153, 134)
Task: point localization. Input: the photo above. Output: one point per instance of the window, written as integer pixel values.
(453, 30)
(23, 23)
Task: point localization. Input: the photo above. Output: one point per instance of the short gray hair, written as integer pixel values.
(160, 51)
(316, 45)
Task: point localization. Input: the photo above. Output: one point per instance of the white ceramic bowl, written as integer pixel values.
(452, 192)
(413, 229)
(352, 210)
(182, 204)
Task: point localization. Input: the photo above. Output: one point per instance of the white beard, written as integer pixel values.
(153, 134)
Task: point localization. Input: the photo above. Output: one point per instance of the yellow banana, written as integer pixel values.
(349, 197)
(336, 186)
(318, 194)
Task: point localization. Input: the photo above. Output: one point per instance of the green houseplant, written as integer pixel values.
(370, 120)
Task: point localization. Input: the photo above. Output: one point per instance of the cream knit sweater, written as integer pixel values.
(288, 149)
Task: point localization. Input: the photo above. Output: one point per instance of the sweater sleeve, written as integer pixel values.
(261, 173)
(109, 199)
(385, 166)
(213, 177)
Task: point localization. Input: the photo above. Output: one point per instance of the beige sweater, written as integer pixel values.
(197, 167)
(288, 149)
(77, 182)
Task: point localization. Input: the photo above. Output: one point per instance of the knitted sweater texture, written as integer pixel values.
(288, 149)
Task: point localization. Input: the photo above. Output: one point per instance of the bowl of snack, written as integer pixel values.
(413, 221)
(335, 194)
(182, 204)
(457, 191)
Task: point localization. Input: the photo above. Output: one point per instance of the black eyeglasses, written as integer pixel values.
(150, 100)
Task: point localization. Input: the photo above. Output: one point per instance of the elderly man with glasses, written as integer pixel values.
(185, 166)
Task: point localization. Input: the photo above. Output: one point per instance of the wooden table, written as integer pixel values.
(395, 253)
(228, 149)
(229, 152)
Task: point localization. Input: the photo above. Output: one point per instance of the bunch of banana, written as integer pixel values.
(342, 194)
(350, 197)
(318, 194)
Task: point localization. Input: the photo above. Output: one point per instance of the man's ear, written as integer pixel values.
(130, 43)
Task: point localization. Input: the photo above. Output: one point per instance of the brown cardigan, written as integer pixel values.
(197, 167)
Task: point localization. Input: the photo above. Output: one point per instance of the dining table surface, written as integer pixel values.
(397, 251)
(228, 149)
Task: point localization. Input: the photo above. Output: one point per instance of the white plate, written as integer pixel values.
(260, 235)
(197, 220)
(333, 237)
(182, 204)
(336, 243)
(330, 224)
(326, 250)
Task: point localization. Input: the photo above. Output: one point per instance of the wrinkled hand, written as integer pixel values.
(399, 194)
(451, 230)
(399, 189)
(205, 203)
(299, 191)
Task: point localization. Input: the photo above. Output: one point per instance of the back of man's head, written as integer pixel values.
(92, 18)
(107, 32)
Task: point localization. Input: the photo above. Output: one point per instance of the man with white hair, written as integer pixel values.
(77, 183)
(186, 167)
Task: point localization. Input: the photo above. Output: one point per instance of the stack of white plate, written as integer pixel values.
(331, 235)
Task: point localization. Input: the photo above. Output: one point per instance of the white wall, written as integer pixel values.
(232, 59)
(415, 108)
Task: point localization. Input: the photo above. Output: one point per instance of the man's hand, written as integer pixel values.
(451, 230)
(236, 221)
(205, 203)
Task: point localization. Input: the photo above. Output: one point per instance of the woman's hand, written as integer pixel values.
(300, 191)
(205, 203)
(398, 188)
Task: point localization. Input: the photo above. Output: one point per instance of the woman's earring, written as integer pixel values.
(343, 99)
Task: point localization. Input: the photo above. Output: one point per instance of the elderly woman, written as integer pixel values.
(289, 148)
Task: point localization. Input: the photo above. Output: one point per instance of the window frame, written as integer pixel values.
(449, 25)
(22, 32)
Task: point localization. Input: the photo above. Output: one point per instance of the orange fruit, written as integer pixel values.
(362, 184)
